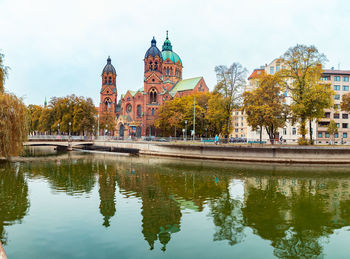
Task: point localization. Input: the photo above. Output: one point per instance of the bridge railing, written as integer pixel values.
(58, 138)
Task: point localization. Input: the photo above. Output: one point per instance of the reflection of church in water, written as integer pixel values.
(136, 110)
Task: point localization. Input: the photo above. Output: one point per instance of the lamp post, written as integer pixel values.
(69, 137)
(58, 126)
(93, 131)
(186, 130)
(183, 132)
(206, 136)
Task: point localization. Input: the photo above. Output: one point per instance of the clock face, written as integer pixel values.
(128, 108)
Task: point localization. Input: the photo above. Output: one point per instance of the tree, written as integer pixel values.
(332, 129)
(345, 103)
(304, 69)
(107, 122)
(264, 106)
(230, 83)
(13, 122)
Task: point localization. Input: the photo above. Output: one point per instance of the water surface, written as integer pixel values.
(103, 206)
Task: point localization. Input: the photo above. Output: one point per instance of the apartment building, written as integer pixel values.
(339, 80)
(290, 132)
(239, 125)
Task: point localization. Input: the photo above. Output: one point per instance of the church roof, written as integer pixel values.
(167, 54)
(187, 84)
(153, 50)
(109, 68)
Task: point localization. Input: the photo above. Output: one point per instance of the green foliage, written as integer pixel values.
(231, 82)
(56, 116)
(345, 103)
(107, 122)
(13, 126)
(264, 105)
(13, 121)
(303, 73)
(209, 114)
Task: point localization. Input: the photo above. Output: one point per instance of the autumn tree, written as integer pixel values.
(230, 84)
(264, 106)
(107, 122)
(332, 129)
(345, 103)
(303, 73)
(13, 123)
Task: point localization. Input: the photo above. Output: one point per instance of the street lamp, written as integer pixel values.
(69, 137)
(186, 130)
(183, 132)
(58, 126)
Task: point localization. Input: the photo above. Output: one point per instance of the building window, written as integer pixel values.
(336, 87)
(336, 116)
(294, 131)
(345, 79)
(320, 135)
(345, 116)
(152, 111)
(327, 135)
(336, 106)
(337, 97)
(110, 80)
(128, 108)
(327, 114)
(139, 110)
(153, 96)
(105, 80)
(284, 131)
(277, 68)
(338, 125)
(272, 70)
(345, 125)
(336, 135)
(236, 130)
(325, 78)
(337, 78)
(345, 135)
(345, 88)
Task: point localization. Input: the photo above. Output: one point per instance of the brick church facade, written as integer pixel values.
(137, 110)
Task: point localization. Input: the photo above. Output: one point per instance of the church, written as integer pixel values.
(136, 110)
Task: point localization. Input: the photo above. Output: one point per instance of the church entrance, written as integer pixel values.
(121, 130)
(138, 132)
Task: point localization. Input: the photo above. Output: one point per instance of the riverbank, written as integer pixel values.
(243, 153)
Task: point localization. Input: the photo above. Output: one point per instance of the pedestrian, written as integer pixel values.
(216, 139)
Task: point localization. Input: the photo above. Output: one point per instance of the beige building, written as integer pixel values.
(239, 125)
(290, 132)
(339, 80)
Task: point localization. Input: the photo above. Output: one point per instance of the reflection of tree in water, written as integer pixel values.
(14, 202)
(228, 219)
(71, 176)
(164, 191)
(107, 183)
(295, 223)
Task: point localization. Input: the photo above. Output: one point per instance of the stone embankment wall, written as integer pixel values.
(268, 154)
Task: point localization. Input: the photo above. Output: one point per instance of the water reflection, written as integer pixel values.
(295, 211)
(14, 202)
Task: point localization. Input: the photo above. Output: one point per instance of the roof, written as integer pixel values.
(336, 72)
(259, 72)
(187, 84)
(153, 50)
(167, 54)
(109, 68)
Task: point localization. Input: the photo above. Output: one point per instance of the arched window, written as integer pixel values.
(107, 103)
(156, 66)
(152, 111)
(171, 71)
(150, 65)
(138, 110)
(153, 96)
(110, 80)
(105, 80)
(128, 108)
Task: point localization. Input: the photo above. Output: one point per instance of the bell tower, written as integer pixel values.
(108, 93)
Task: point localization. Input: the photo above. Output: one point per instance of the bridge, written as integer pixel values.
(60, 145)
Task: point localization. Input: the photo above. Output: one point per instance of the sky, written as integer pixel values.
(58, 48)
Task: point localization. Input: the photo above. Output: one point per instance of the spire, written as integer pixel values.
(109, 60)
(167, 44)
(153, 42)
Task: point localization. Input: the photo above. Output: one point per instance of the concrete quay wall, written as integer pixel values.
(267, 154)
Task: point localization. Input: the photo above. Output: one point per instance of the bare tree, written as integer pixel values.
(230, 84)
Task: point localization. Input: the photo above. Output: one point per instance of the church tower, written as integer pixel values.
(108, 93)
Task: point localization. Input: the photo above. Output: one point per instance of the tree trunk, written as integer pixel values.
(261, 129)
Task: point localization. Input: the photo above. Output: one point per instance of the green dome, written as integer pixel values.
(167, 54)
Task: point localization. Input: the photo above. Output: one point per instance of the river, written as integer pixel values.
(83, 205)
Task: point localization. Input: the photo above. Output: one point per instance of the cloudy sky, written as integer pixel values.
(56, 48)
